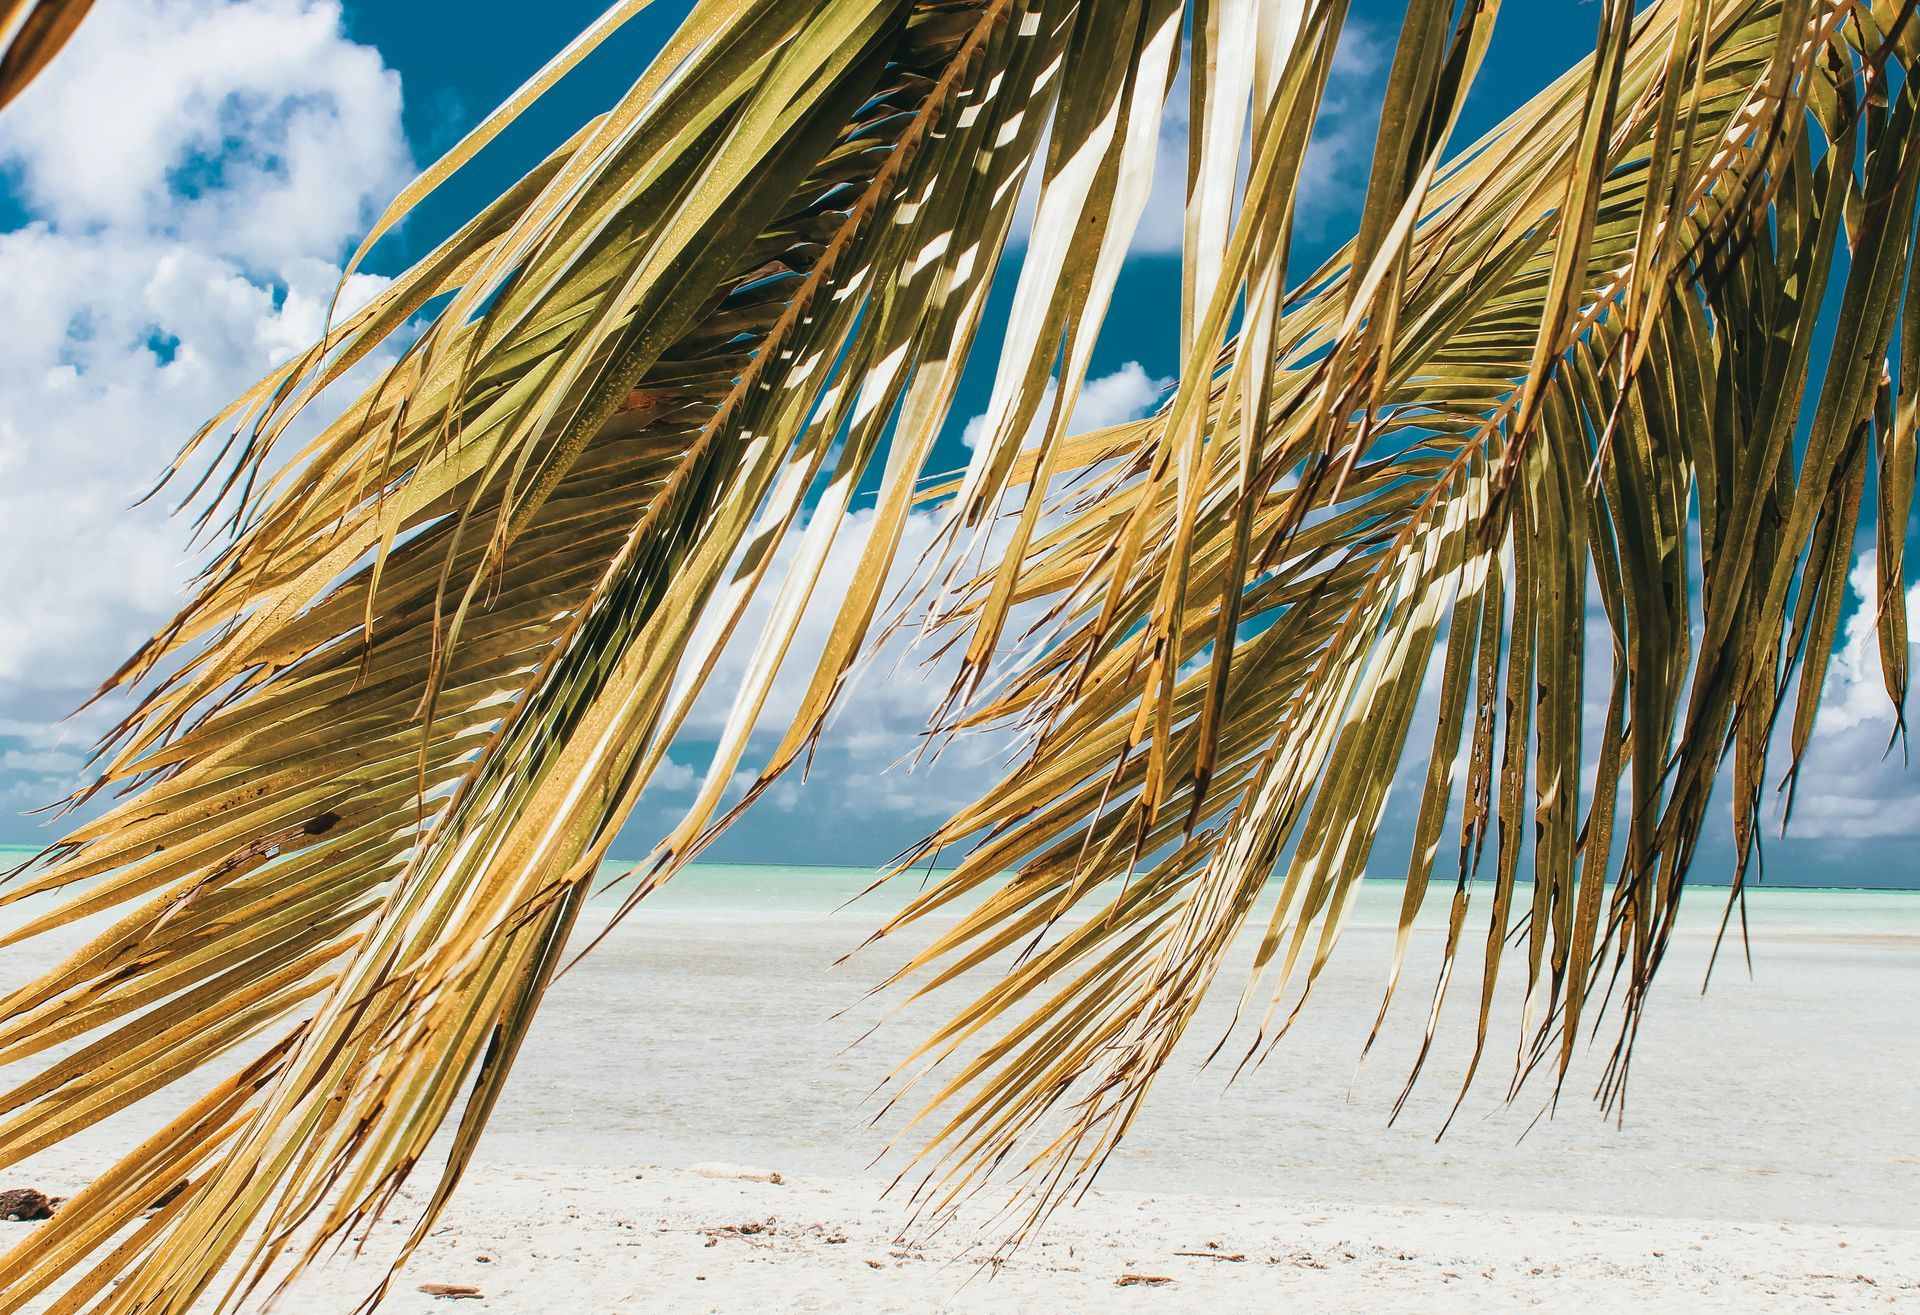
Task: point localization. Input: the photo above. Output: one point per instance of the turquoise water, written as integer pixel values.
(720, 887)
(772, 889)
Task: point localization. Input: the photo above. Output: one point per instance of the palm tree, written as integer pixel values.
(1580, 363)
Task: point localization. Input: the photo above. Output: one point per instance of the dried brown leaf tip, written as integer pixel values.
(31, 34)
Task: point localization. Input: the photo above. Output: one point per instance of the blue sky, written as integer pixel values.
(153, 261)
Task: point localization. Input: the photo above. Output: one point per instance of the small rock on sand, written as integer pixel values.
(25, 1203)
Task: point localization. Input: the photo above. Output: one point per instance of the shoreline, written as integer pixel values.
(1768, 1122)
(13, 855)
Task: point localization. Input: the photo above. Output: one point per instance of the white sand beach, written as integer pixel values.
(1769, 1158)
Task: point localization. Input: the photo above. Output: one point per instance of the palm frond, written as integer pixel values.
(447, 641)
(1494, 411)
(381, 753)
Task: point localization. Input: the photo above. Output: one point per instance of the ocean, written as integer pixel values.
(776, 890)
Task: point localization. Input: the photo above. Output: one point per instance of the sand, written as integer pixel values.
(607, 1239)
(1769, 1158)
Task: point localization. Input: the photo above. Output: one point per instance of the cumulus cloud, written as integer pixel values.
(1850, 788)
(1332, 176)
(1109, 399)
(1856, 810)
(867, 773)
(190, 172)
(251, 129)
(166, 260)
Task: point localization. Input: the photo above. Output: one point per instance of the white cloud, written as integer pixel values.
(864, 770)
(253, 129)
(1332, 177)
(190, 171)
(1333, 174)
(1109, 399)
(673, 776)
(1851, 791)
(1850, 788)
(1126, 394)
